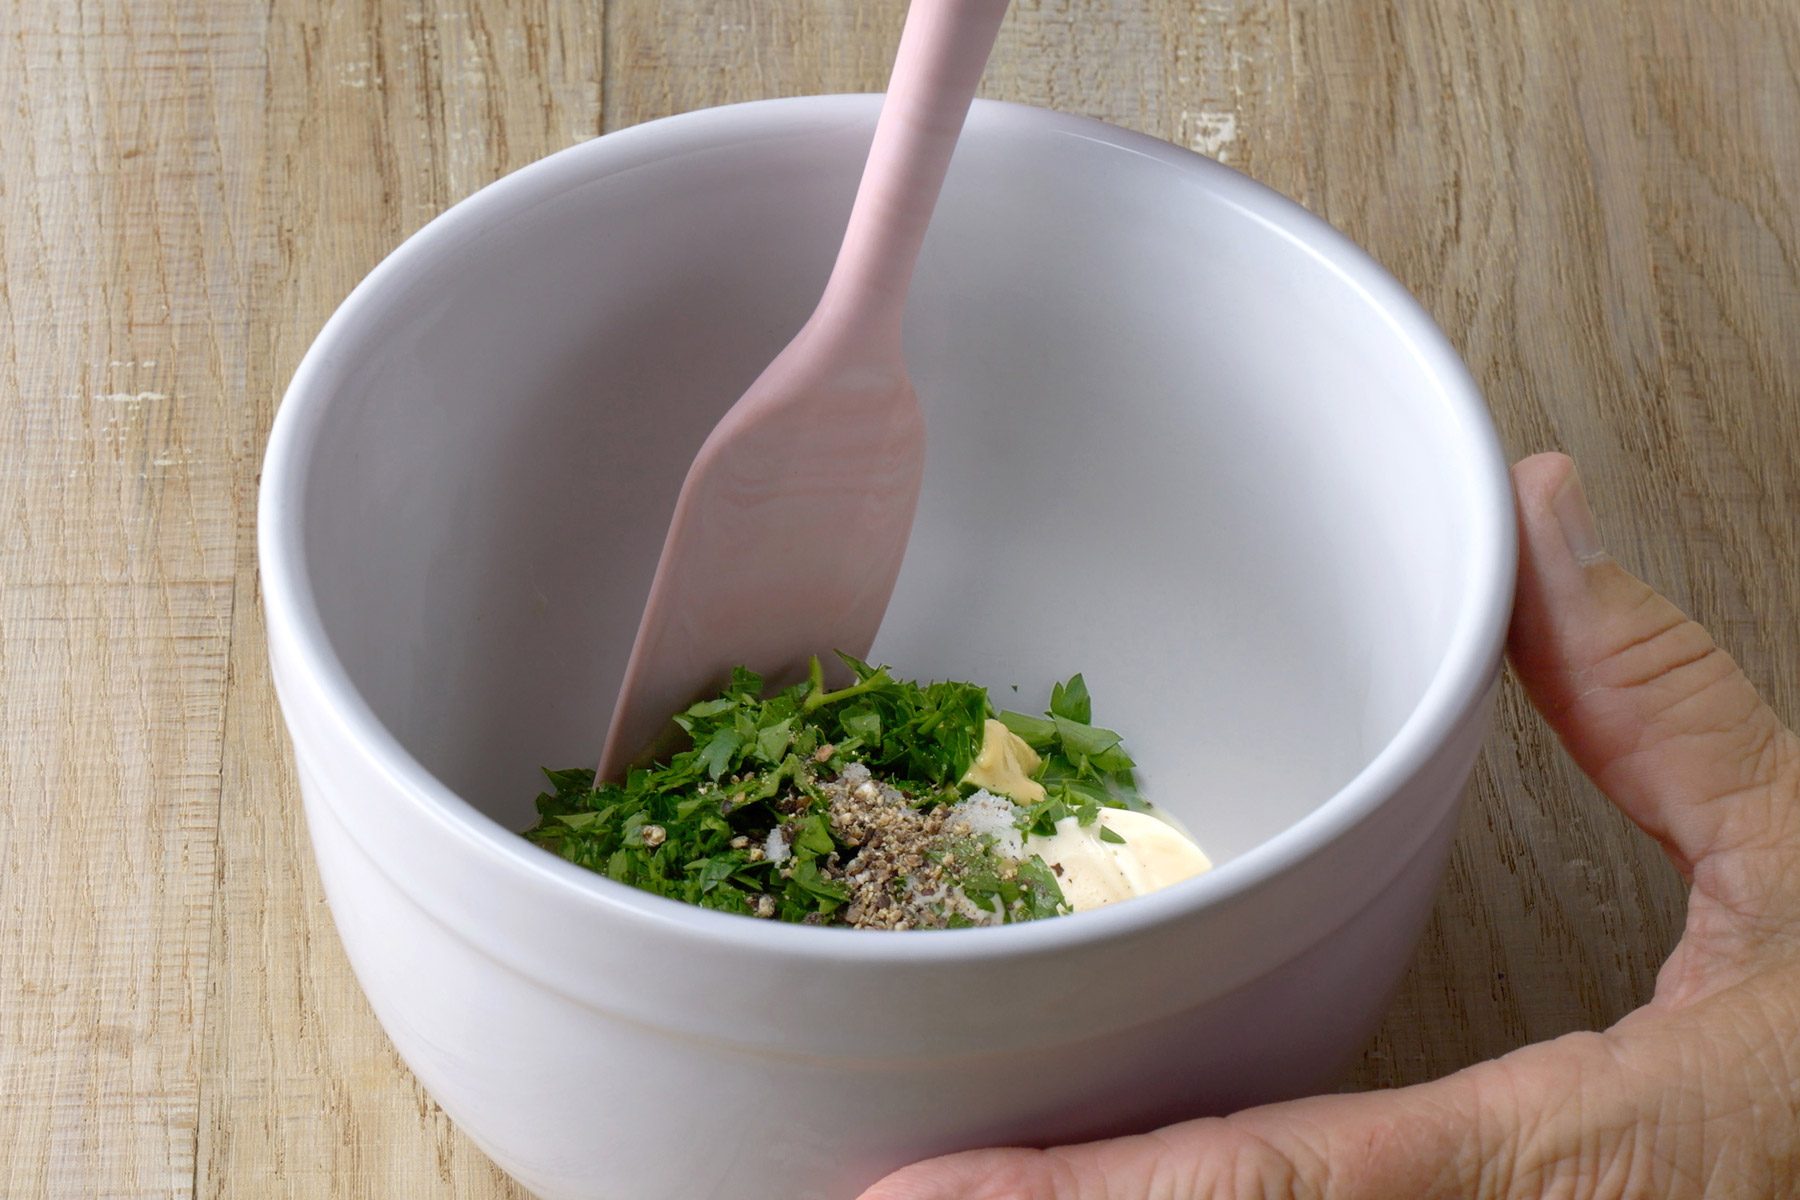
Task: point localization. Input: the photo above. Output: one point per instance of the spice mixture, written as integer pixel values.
(863, 806)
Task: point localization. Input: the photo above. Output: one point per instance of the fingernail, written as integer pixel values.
(1577, 520)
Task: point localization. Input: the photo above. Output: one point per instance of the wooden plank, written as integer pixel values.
(124, 244)
(379, 116)
(663, 59)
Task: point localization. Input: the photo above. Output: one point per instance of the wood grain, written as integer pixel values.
(1599, 202)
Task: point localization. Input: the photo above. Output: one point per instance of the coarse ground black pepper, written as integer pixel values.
(904, 864)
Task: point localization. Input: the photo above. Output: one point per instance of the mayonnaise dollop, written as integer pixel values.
(1094, 872)
(1091, 870)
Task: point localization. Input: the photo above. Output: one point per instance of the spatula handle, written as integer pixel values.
(943, 49)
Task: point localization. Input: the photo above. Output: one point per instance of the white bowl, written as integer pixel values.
(1183, 437)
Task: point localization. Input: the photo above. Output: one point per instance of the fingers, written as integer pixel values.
(1554, 1119)
(1655, 713)
(1200, 1160)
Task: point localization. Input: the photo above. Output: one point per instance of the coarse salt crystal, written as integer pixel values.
(993, 816)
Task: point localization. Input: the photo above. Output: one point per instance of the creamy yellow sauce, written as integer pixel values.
(1005, 765)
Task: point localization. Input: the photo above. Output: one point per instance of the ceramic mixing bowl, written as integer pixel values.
(1183, 437)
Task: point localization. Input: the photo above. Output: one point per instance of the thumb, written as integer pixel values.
(1651, 709)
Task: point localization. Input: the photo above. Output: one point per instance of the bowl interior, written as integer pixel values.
(1174, 443)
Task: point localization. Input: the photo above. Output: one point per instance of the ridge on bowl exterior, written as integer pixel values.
(1182, 437)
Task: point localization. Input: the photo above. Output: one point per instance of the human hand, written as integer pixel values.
(1696, 1093)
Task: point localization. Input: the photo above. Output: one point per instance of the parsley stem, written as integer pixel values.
(818, 698)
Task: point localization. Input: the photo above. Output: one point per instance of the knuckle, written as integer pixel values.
(1755, 878)
(1579, 1140)
(1660, 648)
(1245, 1165)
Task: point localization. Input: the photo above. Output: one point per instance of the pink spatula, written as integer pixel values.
(792, 521)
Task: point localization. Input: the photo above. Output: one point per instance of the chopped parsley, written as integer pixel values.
(839, 806)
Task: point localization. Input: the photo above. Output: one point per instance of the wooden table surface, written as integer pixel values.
(1599, 201)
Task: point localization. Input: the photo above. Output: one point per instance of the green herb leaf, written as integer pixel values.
(745, 684)
(701, 711)
(709, 873)
(1108, 834)
(1070, 701)
(772, 741)
(807, 879)
(1113, 760)
(577, 779)
(720, 751)
(1035, 732)
(862, 722)
(1084, 740)
(811, 838)
(1042, 894)
(1039, 820)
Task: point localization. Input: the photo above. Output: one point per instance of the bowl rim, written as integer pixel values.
(1457, 686)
